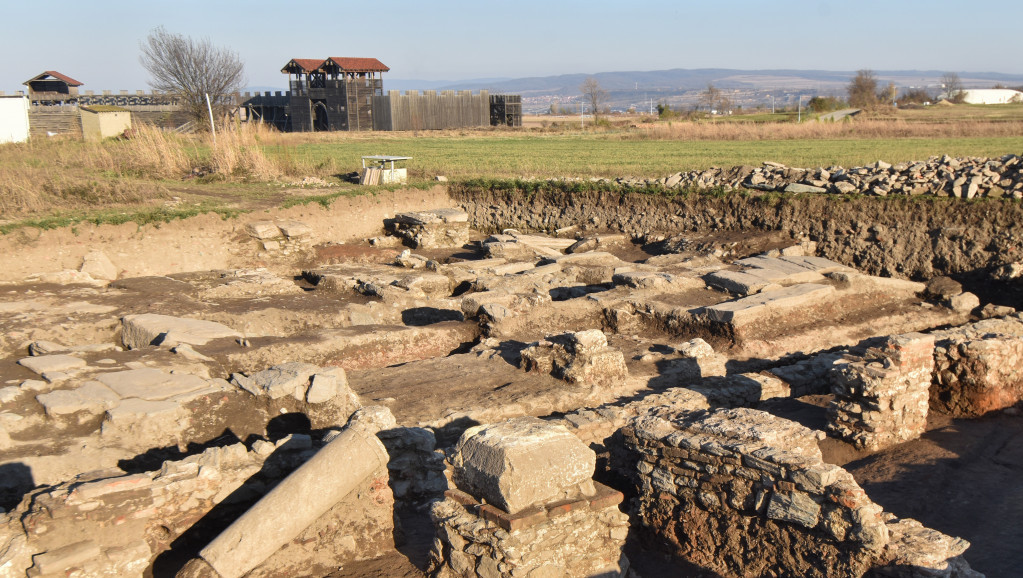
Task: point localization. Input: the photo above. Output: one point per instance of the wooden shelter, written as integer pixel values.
(52, 87)
(333, 94)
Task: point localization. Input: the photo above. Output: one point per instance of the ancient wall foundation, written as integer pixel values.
(740, 492)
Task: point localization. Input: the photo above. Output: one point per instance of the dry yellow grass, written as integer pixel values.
(816, 130)
(65, 174)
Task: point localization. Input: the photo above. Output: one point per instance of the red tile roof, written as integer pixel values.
(306, 65)
(349, 64)
(70, 81)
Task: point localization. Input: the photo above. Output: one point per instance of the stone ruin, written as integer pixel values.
(525, 504)
(543, 406)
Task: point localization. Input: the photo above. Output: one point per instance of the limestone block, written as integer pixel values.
(41, 364)
(749, 309)
(151, 384)
(294, 229)
(736, 282)
(964, 302)
(523, 462)
(153, 329)
(92, 397)
(433, 217)
(98, 266)
(284, 379)
(326, 385)
(60, 560)
(263, 230)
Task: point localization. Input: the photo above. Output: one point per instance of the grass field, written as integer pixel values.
(604, 156)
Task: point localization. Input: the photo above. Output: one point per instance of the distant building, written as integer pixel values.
(333, 94)
(52, 87)
(13, 119)
(347, 94)
(104, 121)
(992, 96)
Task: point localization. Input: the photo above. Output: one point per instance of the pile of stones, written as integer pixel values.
(943, 176)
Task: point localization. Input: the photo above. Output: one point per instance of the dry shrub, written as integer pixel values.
(238, 152)
(152, 152)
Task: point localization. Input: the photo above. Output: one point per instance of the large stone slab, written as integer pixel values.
(153, 329)
(753, 307)
(92, 397)
(736, 282)
(50, 363)
(523, 462)
(151, 384)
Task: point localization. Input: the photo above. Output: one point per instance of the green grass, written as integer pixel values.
(612, 156)
(140, 217)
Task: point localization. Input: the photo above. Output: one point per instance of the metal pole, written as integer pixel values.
(209, 107)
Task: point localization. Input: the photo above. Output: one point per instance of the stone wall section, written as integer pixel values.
(881, 398)
(979, 367)
(742, 493)
(571, 538)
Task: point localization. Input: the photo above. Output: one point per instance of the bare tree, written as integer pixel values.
(594, 94)
(710, 96)
(952, 87)
(192, 69)
(863, 89)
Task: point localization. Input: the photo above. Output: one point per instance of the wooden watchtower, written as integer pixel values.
(333, 94)
(52, 87)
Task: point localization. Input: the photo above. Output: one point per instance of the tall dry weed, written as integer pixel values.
(152, 152)
(238, 152)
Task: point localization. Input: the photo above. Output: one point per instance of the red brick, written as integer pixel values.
(605, 498)
(461, 497)
(513, 522)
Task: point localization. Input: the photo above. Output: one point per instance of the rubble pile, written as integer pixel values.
(944, 176)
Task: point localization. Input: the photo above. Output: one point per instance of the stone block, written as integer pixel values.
(51, 363)
(263, 230)
(60, 560)
(523, 462)
(92, 397)
(151, 384)
(749, 309)
(153, 329)
(98, 266)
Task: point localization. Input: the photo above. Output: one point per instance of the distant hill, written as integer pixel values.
(697, 79)
(681, 86)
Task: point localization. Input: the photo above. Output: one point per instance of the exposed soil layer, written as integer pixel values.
(916, 238)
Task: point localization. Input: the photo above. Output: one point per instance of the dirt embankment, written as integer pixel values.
(201, 243)
(899, 237)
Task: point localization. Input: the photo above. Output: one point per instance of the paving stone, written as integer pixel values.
(747, 309)
(92, 397)
(151, 384)
(52, 363)
(153, 329)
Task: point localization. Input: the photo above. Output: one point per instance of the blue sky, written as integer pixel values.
(97, 43)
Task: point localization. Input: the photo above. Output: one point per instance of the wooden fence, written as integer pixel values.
(430, 111)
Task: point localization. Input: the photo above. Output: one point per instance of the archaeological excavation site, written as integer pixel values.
(818, 374)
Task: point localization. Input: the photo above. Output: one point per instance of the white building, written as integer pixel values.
(13, 119)
(992, 96)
